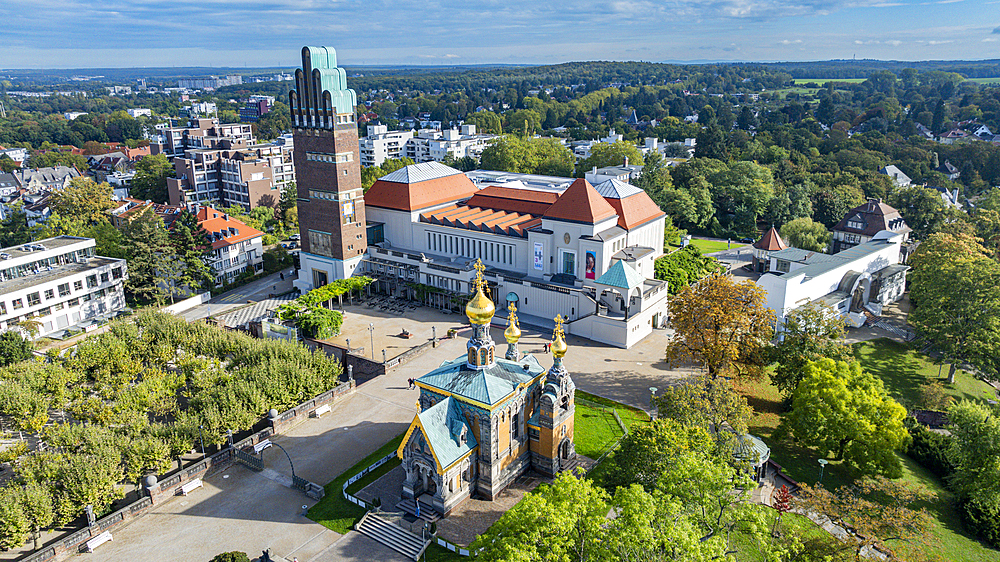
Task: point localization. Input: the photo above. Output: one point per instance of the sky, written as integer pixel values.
(237, 33)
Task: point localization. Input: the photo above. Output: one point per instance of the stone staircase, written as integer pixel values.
(381, 528)
(880, 323)
(427, 512)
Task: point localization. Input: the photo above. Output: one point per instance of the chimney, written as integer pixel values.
(626, 161)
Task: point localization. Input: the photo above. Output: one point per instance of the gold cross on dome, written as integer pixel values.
(559, 322)
(511, 308)
(480, 268)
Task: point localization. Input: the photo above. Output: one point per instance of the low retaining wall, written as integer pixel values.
(187, 304)
(363, 368)
(171, 485)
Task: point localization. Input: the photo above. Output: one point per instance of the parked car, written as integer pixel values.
(295, 237)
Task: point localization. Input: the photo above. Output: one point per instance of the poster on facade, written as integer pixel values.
(538, 255)
(591, 267)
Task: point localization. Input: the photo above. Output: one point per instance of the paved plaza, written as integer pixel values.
(243, 510)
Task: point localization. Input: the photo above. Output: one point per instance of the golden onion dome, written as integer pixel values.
(512, 333)
(559, 346)
(480, 309)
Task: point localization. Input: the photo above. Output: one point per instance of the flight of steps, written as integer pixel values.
(427, 512)
(391, 535)
(879, 322)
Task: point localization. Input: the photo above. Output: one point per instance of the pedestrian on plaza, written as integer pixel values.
(282, 275)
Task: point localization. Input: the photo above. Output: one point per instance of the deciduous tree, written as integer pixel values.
(955, 288)
(711, 404)
(841, 410)
(14, 348)
(723, 325)
(150, 181)
(811, 332)
(880, 514)
(806, 234)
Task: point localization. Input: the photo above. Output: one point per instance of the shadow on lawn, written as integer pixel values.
(898, 367)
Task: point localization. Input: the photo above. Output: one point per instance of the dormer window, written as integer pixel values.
(855, 224)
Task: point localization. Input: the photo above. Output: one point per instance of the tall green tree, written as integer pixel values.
(841, 410)
(14, 228)
(806, 234)
(83, 199)
(955, 288)
(149, 255)
(610, 154)
(194, 251)
(14, 348)
(150, 181)
(712, 405)
(810, 333)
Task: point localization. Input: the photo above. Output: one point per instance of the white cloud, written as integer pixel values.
(788, 42)
(940, 42)
(894, 42)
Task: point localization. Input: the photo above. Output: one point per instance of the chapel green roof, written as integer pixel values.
(442, 426)
(486, 386)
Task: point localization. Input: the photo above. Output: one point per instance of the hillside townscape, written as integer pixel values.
(581, 311)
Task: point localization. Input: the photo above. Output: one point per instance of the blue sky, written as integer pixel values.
(126, 33)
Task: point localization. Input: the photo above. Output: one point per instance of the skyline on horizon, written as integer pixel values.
(224, 33)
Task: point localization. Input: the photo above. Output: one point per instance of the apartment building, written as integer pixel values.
(224, 164)
(236, 247)
(210, 83)
(434, 146)
(382, 144)
(59, 283)
(199, 133)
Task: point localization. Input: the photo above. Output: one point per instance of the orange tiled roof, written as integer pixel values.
(214, 221)
(635, 210)
(483, 220)
(524, 201)
(419, 195)
(580, 203)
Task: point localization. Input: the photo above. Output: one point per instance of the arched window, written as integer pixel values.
(472, 356)
(482, 356)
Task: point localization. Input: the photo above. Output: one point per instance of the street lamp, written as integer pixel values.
(201, 434)
(652, 397)
(822, 465)
(371, 332)
(229, 434)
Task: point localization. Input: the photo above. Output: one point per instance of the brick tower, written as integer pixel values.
(327, 170)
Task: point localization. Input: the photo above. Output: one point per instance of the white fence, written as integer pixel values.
(359, 476)
(358, 501)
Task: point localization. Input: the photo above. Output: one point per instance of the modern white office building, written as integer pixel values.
(59, 283)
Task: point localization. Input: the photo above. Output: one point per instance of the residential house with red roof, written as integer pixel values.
(236, 247)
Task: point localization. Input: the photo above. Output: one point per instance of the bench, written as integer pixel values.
(190, 486)
(324, 409)
(99, 540)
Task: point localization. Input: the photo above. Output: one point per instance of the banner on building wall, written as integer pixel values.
(539, 255)
(590, 269)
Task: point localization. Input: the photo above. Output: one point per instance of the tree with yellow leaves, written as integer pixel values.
(722, 324)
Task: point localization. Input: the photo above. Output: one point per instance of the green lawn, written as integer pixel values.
(709, 246)
(596, 429)
(904, 369)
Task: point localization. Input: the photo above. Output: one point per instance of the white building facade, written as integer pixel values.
(549, 250)
(864, 277)
(59, 283)
(381, 144)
